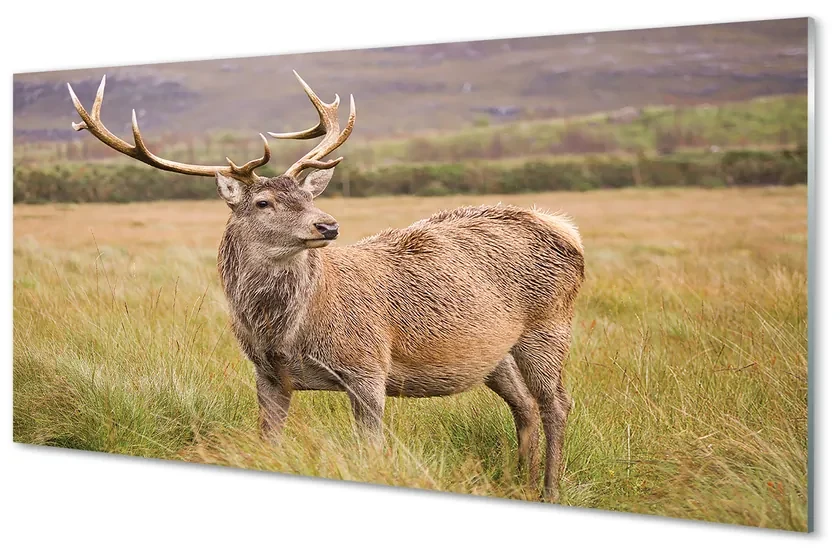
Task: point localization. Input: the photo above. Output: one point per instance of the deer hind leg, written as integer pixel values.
(540, 354)
(506, 381)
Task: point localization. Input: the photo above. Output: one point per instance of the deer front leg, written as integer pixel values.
(367, 399)
(274, 399)
(274, 394)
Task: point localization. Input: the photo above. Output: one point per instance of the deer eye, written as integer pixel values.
(262, 204)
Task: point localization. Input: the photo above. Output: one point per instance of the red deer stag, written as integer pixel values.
(471, 296)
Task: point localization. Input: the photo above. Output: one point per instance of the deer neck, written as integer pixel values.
(268, 298)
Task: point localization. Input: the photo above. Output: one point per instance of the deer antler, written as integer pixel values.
(327, 126)
(92, 123)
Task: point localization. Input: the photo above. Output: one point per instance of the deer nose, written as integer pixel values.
(328, 230)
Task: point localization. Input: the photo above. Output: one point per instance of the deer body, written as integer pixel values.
(433, 308)
(476, 295)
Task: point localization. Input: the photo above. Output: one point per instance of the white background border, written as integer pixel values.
(54, 497)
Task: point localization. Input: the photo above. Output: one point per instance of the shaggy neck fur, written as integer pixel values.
(269, 297)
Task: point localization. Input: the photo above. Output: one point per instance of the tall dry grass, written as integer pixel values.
(688, 368)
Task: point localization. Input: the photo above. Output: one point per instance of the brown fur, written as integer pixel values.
(476, 295)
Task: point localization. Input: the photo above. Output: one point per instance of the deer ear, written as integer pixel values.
(317, 181)
(229, 189)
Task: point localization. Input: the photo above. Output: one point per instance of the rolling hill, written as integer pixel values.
(406, 90)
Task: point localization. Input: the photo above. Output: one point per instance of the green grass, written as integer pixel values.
(688, 368)
(68, 183)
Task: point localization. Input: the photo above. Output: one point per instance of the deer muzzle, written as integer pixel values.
(328, 231)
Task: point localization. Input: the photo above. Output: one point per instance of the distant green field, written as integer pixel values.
(772, 121)
(756, 142)
(775, 121)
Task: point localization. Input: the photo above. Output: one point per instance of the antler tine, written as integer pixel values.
(97, 101)
(316, 131)
(92, 124)
(139, 151)
(319, 129)
(252, 165)
(327, 126)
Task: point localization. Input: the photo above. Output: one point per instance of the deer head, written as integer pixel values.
(276, 215)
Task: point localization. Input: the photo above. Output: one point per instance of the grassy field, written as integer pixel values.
(688, 368)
